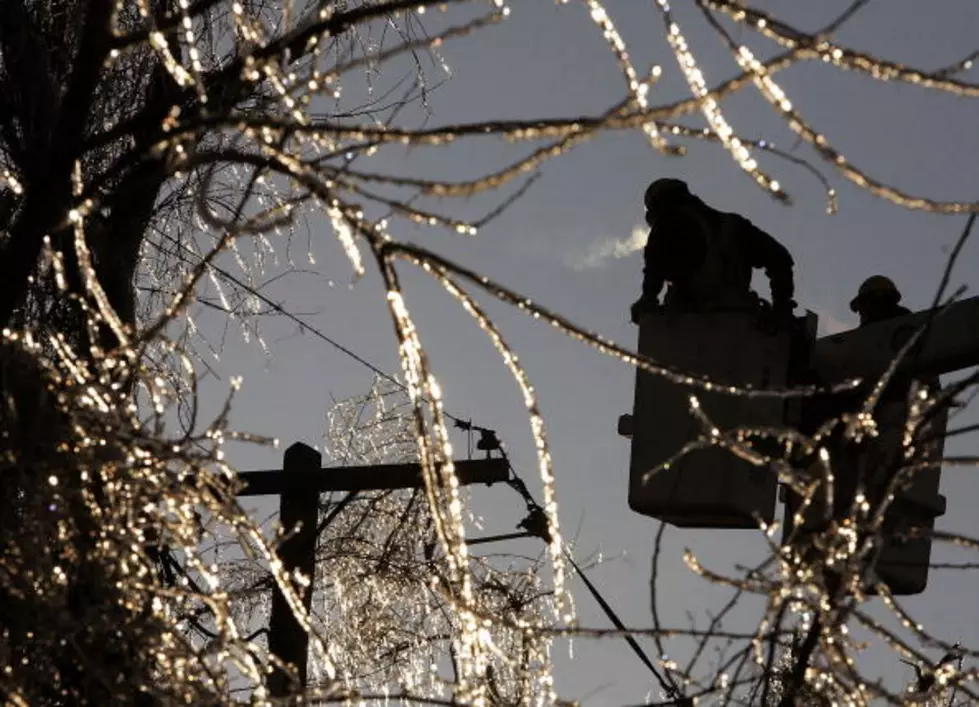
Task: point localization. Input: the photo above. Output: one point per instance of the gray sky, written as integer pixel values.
(549, 60)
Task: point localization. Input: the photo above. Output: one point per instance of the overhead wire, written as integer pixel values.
(535, 525)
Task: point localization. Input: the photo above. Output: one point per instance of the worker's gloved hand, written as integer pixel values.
(775, 317)
(639, 308)
(784, 311)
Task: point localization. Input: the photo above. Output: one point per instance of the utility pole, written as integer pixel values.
(298, 484)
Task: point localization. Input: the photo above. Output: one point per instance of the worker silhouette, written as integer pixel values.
(877, 300)
(880, 457)
(707, 257)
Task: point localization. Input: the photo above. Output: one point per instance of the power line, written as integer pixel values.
(536, 525)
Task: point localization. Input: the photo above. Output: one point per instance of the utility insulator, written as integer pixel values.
(488, 442)
(708, 487)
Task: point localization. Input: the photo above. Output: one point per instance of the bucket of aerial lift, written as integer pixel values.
(905, 546)
(905, 557)
(707, 487)
(903, 552)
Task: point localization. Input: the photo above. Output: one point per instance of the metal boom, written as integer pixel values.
(950, 343)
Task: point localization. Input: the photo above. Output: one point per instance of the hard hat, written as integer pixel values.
(662, 190)
(875, 286)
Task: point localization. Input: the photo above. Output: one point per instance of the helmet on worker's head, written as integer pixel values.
(875, 289)
(663, 192)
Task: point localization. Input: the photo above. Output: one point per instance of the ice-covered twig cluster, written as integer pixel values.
(179, 145)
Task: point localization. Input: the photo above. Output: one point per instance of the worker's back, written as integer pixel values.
(722, 277)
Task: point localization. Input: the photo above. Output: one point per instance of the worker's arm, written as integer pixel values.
(652, 284)
(767, 253)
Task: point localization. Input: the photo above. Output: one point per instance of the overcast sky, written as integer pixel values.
(549, 60)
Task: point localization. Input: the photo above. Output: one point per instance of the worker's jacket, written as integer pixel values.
(708, 257)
